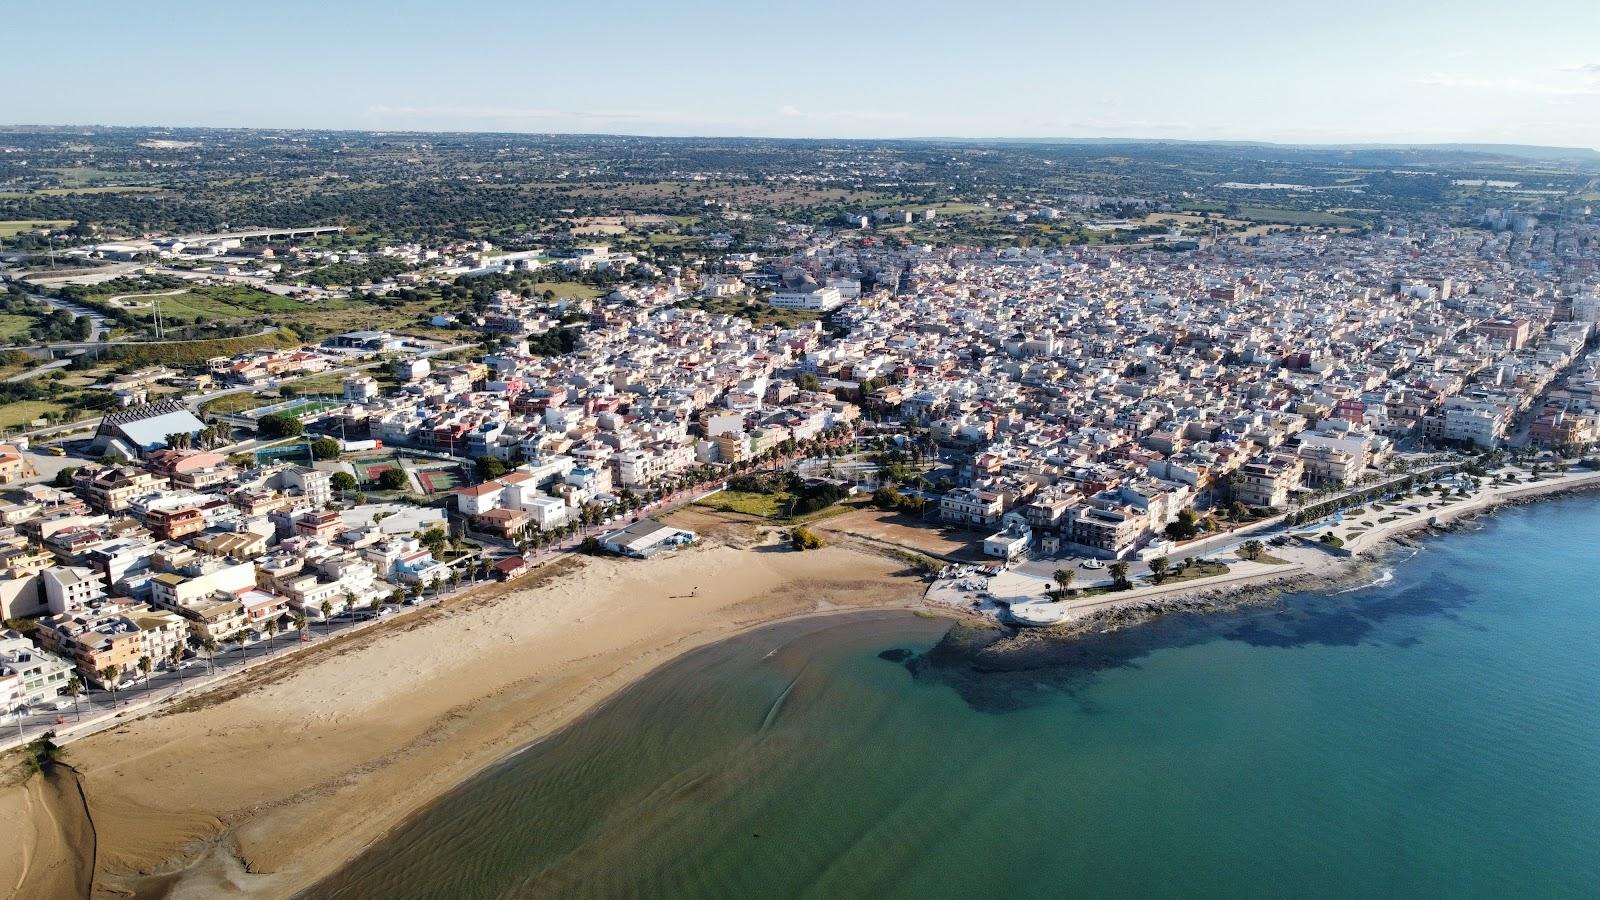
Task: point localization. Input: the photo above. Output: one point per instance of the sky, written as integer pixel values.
(1414, 71)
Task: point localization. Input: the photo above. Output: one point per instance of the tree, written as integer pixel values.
(489, 468)
(1185, 526)
(327, 613)
(1158, 568)
(145, 665)
(1119, 575)
(1063, 579)
(108, 674)
(343, 482)
(278, 425)
(209, 644)
(175, 656)
(1251, 550)
(63, 477)
(393, 480)
(325, 448)
(74, 688)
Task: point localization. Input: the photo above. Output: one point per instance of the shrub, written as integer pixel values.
(803, 538)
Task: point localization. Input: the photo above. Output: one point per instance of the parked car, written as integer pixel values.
(1093, 564)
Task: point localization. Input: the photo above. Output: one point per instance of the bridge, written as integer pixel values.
(252, 234)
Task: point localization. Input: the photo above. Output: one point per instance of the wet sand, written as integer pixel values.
(277, 778)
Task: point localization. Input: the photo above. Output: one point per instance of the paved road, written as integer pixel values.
(97, 321)
(162, 686)
(36, 372)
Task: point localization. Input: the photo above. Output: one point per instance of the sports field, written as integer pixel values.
(437, 481)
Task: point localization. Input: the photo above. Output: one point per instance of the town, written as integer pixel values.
(1055, 408)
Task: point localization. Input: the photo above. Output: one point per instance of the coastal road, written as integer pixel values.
(100, 709)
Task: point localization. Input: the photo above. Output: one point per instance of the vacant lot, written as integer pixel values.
(1276, 215)
(23, 412)
(12, 227)
(222, 303)
(768, 506)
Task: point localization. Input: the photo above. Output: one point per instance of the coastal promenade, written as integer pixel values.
(1023, 599)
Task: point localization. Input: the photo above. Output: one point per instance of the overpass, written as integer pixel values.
(251, 234)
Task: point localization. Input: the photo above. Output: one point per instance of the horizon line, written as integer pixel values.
(1045, 139)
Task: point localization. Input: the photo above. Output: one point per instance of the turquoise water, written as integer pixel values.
(1436, 735)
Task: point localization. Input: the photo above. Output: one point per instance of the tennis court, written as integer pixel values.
(369, 468)
(437, 481)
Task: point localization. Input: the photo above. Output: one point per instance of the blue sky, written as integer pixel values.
(1357, 70)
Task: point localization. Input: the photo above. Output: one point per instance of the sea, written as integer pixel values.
(1432, 730)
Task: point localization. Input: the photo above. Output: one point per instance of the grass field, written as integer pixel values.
(13, 227)
(23, 412)
(13, 325)
(567, 289)
(768, 506)
(754, 310)
(62, 191)
(1276, 215)
(221, 303)
(232, 403)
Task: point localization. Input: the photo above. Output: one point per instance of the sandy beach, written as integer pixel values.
(274, 779)
(277, 778)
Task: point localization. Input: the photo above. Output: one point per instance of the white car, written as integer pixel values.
(1092, 564)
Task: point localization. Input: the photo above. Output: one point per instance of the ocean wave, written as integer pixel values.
(1384, 577)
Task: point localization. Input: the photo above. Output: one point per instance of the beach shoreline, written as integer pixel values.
(1313, 566)
(269, 783)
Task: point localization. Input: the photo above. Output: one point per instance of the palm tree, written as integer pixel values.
(327, 614)
(145, 665)
(1251, 550)
(74, 688)
(209, 644)
(1119, 574)
(176, 656)
(300, 624)
(243, 640)
(108, 674)
(272, 632)
(1063, 579)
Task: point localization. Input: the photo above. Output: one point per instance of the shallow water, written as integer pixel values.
(1435, 734)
